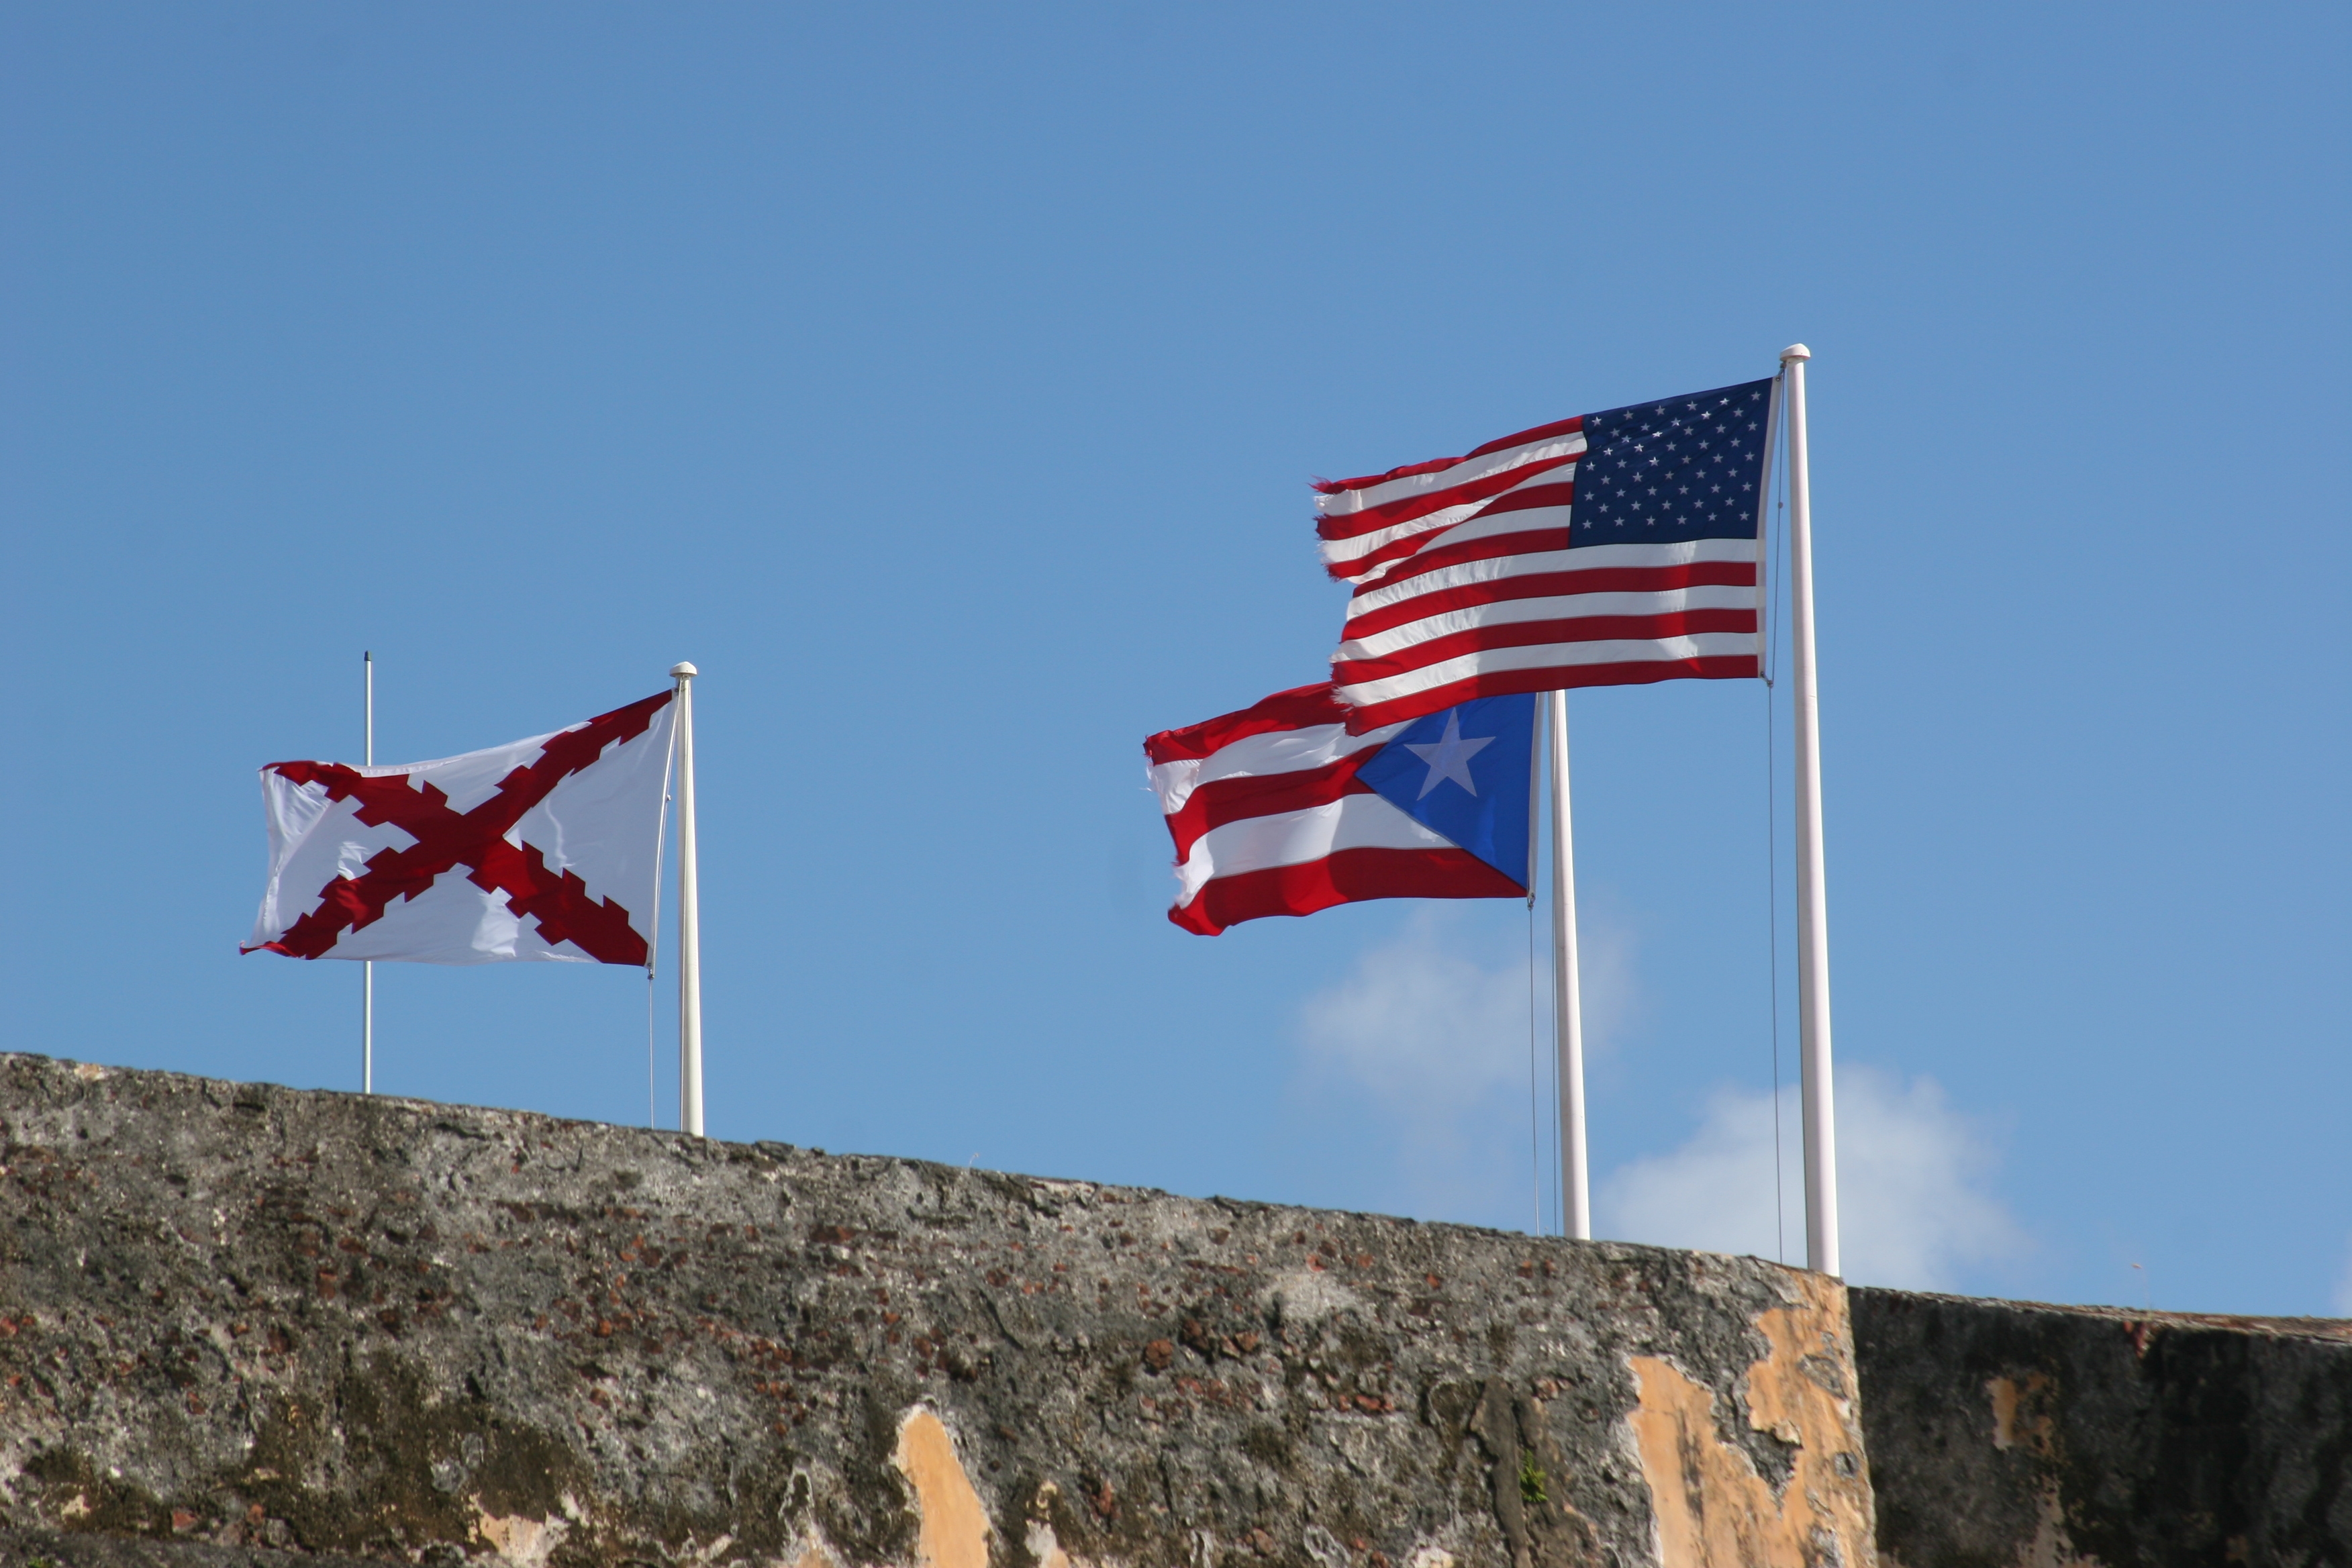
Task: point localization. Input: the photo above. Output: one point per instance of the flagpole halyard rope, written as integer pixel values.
(1772, 965)
(653, 940)
(367, 967)
(1535, 1081)
(1535, 1114)
(1778, 529)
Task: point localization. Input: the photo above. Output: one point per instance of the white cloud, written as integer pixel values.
(1421, 1028)
(1424, 1026)
(1431, 1037)
(1912, 1205)
(1436, 1039)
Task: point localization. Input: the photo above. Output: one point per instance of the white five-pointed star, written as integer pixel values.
(1449, 756)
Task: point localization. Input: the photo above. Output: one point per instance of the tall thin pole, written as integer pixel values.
(367, 969)
(690, 917)
(1812, 912)
(1568, 1013)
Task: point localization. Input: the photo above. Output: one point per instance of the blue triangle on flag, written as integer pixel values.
(1466, 774)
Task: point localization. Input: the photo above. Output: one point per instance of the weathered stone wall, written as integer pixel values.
(2007, 1435)
(234, 1318)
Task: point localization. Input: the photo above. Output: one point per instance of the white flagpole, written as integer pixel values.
(690, 917)
(367, 969)
(1568, 1016)
(1813, 913)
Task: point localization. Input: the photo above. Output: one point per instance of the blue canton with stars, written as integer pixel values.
(1683, 468)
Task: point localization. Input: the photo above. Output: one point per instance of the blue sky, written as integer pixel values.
(945, 382)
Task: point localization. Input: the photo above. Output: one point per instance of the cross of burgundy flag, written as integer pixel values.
(1278, 810)
(1611, 549)
(547, 848)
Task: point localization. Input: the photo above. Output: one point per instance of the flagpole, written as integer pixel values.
(1813, 913)
(1567, 1013)
(690, 917)
(367, 968)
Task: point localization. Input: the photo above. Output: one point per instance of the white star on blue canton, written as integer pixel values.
(1449, 756)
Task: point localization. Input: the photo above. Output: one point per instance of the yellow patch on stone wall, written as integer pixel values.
(1714, 1509)
(954, 1533)
(2018, 1415)
(2022, 1419)
(518, 1539)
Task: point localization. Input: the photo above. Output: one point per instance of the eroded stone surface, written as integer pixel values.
(236, 1317)
(2012, 1435)
(1725, 1511)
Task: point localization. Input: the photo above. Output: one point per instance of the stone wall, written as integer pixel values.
(237, 1321)
(2007, 1435)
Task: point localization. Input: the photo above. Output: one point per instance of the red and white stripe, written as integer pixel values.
(1269, 818)
(1466, 587)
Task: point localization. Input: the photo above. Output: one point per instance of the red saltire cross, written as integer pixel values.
(476, 839)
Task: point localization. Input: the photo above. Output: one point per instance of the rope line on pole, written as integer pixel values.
(1534, 1113)
(1772, 891)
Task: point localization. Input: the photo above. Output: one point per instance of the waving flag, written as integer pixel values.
(1607, 550)
(1278, 810)
(543, 849)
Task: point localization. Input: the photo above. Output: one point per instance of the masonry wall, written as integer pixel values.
(237, 1321)
(2010, 1435)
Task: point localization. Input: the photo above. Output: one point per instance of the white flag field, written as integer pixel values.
(547, 848)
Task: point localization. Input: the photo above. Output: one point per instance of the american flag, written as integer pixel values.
(1611, 549)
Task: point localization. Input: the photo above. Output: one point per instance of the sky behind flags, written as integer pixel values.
(540, 356)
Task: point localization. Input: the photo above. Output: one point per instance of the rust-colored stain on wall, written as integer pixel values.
(1714, 1509)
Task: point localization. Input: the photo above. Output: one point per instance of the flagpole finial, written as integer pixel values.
(1795, 351)
(682, 670)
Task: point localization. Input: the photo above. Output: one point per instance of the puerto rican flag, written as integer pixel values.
(548, 848)
(1280, 810)
(1611, 549)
